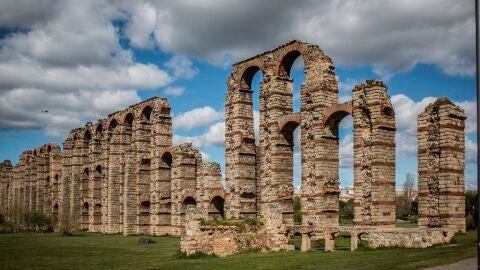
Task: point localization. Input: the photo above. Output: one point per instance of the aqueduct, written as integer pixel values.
(122, 174)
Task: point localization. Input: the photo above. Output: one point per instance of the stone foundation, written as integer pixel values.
(407, 238)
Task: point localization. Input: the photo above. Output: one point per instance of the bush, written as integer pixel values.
(297, 211)
(37, 222)
(7, 228)
(346, 212)
(471, 209)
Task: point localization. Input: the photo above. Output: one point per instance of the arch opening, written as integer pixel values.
(167, 159)
(87, 135)
(147, 114)
(99, 129)
(255, 84)
(188, 201)
(128, 121)
(113, 124)
(216, 207)
(344, 133)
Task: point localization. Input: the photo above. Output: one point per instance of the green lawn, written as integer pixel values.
(95, 251)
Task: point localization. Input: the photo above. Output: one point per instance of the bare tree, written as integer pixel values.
(404, 201)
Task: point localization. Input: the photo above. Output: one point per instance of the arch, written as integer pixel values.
(337, 113)
(128, 121)
(287, 61)
(189, 201)
(247, 76)
(56, 177)
(85, 206)
(98, 170)
(113, 124)
(145, 204)
(48, 180)
(49, 148)
(289, 121)
(35, 152)
(87, 135)
(86, 171)
(55, 207)
(147, 114)
(167, 159)
(217, 204)
(99, 129)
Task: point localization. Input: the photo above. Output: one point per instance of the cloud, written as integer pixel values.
(66, 57)
(215, 136)
(141, 25)
(174, 91)
(197, 117)
(346, 151)
(406, 112)
(181, 67)
(399, 35)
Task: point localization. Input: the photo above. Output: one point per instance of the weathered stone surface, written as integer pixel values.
(441, 164)
(118, 175)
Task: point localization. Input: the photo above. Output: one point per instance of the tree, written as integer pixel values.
(297, 210)
(404, 201)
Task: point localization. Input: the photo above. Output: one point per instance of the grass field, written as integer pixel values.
(96, 251)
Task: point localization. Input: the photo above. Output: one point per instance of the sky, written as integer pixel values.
(81, 60)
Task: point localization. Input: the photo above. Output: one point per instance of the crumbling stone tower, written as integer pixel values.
(187, 163)
(441, 163)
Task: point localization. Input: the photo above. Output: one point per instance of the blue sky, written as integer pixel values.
(81, 61)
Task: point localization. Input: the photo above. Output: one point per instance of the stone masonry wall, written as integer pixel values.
(116, 175)
(441, 163)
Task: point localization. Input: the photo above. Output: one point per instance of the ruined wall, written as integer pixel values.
(441, 164)
(272, 159)
(113, 176)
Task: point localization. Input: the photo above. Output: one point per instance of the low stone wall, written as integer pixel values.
(408, 238)
(223, 241)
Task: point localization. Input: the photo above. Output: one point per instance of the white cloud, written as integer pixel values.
(406, 112)
(471, 149)
(197, 117)
(399, 35)
(174, 91)
(181, 67)
(205, 156)
(68, 60)
(141, 25)
(215, 136)
(346, 151)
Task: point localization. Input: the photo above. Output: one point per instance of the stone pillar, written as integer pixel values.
(131, 171)
(329, 241)
(184, 176)
(161, 168)
(306, 242)
(64, 187)
(209, 187)
(240, 167)
(114, 179)
(441, 165)
(353, 241)
(374, 155)
(75, 180)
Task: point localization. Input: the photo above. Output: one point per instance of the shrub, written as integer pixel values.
(7, 228)
(297, 211)
(37, 222)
